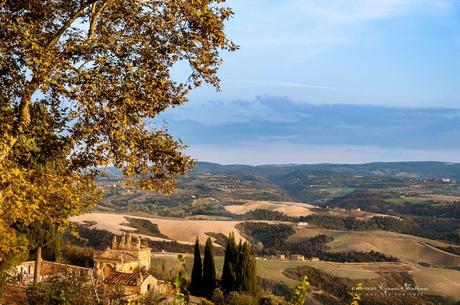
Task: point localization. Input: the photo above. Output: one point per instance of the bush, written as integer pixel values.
(235, 298)
(63, 290)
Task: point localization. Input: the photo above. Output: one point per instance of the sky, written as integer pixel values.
(335, 81)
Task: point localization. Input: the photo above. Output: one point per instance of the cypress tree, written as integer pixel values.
(209, 270)
(228, 280)
(248, 281)
(240, 261)
(196, 287)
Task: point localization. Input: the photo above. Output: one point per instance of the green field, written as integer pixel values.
(343, 192)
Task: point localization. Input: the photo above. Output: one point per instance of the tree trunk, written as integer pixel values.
(38, 265)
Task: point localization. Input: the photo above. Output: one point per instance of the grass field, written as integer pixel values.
(273, 269)
(288, 208)
(408, 248)
(181, 230)
(343, 192)
(439, 281)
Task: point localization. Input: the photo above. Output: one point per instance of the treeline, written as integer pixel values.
(145, 227)
(428, 227)
(101, 239)
(378, 202)
(450, 249)
(272, 239)
(238, 272)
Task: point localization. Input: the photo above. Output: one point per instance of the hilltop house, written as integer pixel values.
(124, 265)
(127, 256)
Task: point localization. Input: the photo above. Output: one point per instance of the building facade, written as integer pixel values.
(126, 255)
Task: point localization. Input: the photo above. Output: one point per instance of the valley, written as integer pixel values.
(376, 223)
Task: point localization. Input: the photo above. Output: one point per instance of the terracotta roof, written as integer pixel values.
(128, 279)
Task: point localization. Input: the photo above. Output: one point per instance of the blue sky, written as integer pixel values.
(331, 81)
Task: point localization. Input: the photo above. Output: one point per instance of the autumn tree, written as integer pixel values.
(81, 84)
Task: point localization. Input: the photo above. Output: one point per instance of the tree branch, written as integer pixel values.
(32, 86)
(94, 15)
(68, 23)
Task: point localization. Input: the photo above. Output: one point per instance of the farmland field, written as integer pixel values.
(181, 230)
(287, 208)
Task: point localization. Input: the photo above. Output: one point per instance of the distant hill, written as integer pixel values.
(224, 185)
(422, 169)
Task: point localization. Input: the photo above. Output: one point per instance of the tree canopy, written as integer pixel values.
(81, 84)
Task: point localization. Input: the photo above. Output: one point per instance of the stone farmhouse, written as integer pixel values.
(123, 265)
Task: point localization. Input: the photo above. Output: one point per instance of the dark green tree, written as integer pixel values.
(209, 270)
(228, 280)
(239, 270)
(196, 287)
(247, 268)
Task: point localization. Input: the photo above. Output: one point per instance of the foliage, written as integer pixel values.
(246, 272)
(275, 241)
(196, 287)
(76, 255)
(278, 288)
(239, 269)
(153, 297)
(63, 290)
(81, 83)
(228, 279)
(94, 238)
(271, 300)
(355, 294)
(209, 270)
(180, 281)
(271, 235)
(300, 292)
(429, 227)
(145, 227)
(237, 298)
(115, 295)
(340, 288)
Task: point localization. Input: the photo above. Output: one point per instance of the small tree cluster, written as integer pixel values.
(239, 270)
(203, 279)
